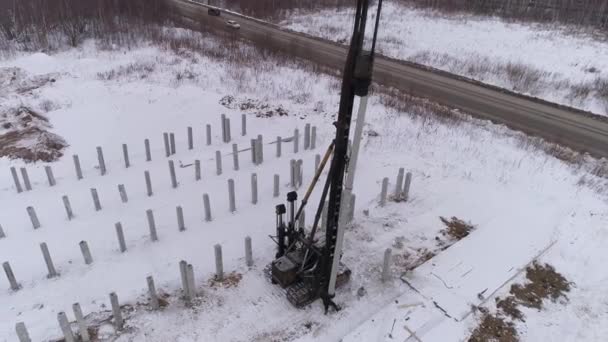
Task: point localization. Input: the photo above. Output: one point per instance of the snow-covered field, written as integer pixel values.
(519, 199)
(555, 63)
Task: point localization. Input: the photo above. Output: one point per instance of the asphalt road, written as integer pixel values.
(579, 130)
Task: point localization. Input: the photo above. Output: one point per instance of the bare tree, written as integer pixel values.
(73, 19)
(7, 20)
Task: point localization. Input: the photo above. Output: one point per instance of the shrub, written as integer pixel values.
(523, 77)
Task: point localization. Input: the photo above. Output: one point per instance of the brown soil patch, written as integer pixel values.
(494, 328)
(422, 255)
(544, 282)
(456, 229)
(230, 280)
(508, 306)
(93, 333)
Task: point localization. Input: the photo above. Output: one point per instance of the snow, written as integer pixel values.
(475, 47)
(38, 63)
(519, 198)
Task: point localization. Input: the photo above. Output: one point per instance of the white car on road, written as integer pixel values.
(233, 24)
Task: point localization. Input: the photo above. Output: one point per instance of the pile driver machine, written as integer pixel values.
(307, 266)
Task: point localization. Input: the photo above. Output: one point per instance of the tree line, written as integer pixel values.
(579, 12)
(278, 9)
(35, 23)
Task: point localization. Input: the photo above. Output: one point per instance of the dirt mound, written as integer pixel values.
(544, 283)
(25, 136)
(494, 328)
(131, 72)
(24, 133)
(456, 229)
(32, 144)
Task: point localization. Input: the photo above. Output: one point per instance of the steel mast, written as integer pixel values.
(356, 81)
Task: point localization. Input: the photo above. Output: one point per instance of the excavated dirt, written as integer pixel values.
(32, 144)
(544, 283)
(494, 328)
(24, 132)
(456, 229)
(230, 280)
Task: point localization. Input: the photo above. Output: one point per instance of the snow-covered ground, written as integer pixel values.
(519, 199)
(555, 63)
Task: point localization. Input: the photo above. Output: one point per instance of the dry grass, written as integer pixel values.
(137, 70)
(524, 78)
(601, 87)
(416, 107)
(519, 77)
(579, 92)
